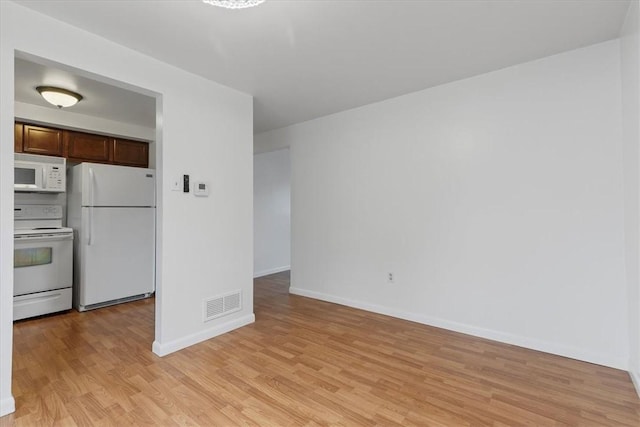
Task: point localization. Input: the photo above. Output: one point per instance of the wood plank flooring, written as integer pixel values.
(303, 363)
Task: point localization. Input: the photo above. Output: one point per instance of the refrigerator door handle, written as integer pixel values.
(90, 237)
(90, 227)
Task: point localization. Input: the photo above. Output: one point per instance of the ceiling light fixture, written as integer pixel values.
(234, 4)
(58, 96)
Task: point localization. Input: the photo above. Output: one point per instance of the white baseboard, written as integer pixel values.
(520, 341)
(271, 271)
(162, 349)
(7, 406)
(635, 378)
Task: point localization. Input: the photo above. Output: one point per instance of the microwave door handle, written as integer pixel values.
(90, 226)
(44, 178)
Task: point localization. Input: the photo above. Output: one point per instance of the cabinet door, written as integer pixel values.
(17, 138)
(87, 147)
(39, 140)
(130, 153)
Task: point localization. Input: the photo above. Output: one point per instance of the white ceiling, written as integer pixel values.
(303, 59)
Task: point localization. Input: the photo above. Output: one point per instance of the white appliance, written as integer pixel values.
(42, 261)
(39, 174)
(112, 210)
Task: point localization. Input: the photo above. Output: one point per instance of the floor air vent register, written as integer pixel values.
(222, 305)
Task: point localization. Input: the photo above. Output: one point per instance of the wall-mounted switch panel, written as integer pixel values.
(185, 183)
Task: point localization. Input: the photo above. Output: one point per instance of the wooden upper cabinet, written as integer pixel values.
(87, 147)
(40, 140)
(17, 138)
(80, 146)
(130, 153)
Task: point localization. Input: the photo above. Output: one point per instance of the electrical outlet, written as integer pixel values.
(390, 278)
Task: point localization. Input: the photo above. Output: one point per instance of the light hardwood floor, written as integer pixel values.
(303, 362)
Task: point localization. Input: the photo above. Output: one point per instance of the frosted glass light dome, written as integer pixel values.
(59, 97)
(234, 4)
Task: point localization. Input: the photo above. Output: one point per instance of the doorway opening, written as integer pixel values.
(272, 213)
(118, 125)
(271, 221)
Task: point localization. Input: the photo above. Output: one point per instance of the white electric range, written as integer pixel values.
(42, 262)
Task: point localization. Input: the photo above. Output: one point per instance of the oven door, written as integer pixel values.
(42, 262)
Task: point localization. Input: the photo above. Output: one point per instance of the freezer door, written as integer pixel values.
(109, 185)
(117, 254)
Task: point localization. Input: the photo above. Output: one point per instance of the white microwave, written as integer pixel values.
(39, 174)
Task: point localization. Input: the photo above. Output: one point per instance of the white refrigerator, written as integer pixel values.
(112, 211)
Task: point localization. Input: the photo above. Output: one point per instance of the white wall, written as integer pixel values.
(271, 212)
(496, 201)
(630, 60)
(204, 129)
(269, 141)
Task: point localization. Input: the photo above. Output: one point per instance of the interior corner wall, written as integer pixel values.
(268, 141)
(495, 201)
(630, 68)
(205, 245)
(271, 212)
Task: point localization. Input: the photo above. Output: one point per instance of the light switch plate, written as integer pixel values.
(176, 184)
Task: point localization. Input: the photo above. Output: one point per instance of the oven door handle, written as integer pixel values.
(27, 240)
